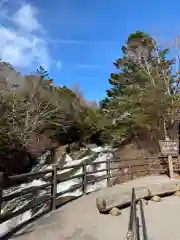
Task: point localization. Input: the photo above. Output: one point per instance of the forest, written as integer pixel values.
(143, 99)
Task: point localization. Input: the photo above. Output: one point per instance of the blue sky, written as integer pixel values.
(78, 40)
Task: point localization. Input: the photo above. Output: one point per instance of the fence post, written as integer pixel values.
(108, 166)
(54, 187)
(84, 180)
(1, 189)
(170, 165)
(147, 166)
(130, 172)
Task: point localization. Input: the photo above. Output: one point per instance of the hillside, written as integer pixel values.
(141, 107)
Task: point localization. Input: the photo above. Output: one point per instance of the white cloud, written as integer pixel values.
(25, 18)
(59, 64)
(81, 41)
(88, 66)
(19, 45)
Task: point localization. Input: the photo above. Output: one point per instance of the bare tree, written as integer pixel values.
(32, 108)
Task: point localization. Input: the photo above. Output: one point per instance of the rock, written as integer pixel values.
(177, 193)
(59, 154)
(80, 154)
(115, 212)
(156, 199)
(147, 187)
(101, 204)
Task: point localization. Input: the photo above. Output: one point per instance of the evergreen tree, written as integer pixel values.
(142, 95)
(43, 73)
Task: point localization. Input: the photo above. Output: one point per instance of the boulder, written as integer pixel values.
(120, 195)
(156, 199)
(59, 154)
(115, 212)
(101, 204)
(177, 193)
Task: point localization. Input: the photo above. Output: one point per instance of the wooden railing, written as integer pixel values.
(52, 199)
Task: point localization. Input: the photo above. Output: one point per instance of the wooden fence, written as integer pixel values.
(51, 199)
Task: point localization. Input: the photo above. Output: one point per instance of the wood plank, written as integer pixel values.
(71, 189)
(9, 215)
(27, 175)
(24, 192)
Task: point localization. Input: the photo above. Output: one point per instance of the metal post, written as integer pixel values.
(137, 228)
(135, 220)
(131, 219)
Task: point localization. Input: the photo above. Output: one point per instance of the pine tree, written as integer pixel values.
(142, 95)
(43, 73)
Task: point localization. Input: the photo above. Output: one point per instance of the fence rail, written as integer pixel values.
(52, 198)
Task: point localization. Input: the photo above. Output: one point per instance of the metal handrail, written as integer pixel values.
(133, 227)
(144, 229)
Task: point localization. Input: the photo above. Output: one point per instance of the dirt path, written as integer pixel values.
(80, 219)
